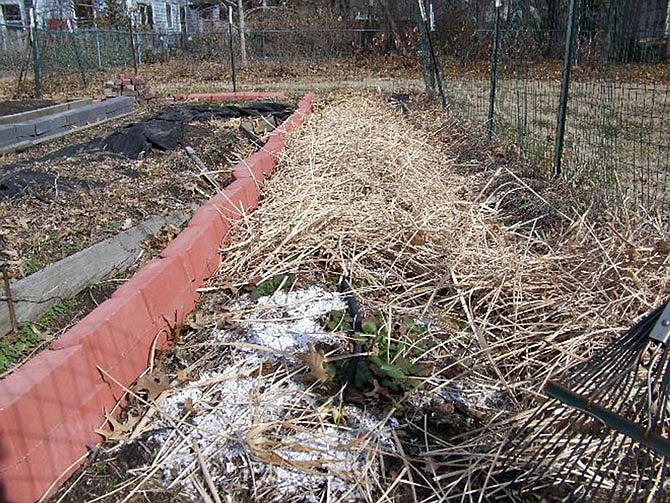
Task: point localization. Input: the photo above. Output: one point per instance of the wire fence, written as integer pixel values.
(507, 72)
(613, 137)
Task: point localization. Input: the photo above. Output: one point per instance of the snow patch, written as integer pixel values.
(270, 430)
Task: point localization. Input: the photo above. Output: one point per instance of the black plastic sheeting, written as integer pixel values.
(166, 130)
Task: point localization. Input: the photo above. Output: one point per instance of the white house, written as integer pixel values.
(172, 16)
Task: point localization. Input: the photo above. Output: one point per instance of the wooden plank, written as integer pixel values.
(67, 277)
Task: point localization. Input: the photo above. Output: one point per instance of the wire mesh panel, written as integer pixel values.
(13, 46)
(616, 140)
(614, 137)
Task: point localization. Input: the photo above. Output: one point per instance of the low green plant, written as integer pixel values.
(13, 347)
(391, 355)
(271, 285)
(31, 265)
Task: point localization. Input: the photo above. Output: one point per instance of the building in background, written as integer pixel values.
(171, 16)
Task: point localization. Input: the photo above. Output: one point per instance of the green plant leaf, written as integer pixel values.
(392, 371)
(369, 326)
(340, 321)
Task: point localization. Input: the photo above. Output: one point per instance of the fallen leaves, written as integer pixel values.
(152, 384)
(119, 431)
(316, 363)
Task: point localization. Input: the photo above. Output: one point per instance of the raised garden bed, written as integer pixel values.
(25, 129)
(475, 282)
(80, 376)
(60, 199)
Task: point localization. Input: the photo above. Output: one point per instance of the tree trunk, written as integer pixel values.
(551, 27)
(395, 33)
(243, 34)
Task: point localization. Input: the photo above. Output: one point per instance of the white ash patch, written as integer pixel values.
(464, 392)
(176, 402)
(270, 430)
(275, 424)
(288, 321)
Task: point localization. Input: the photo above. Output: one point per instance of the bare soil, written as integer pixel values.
(55, 201)
(61, 197)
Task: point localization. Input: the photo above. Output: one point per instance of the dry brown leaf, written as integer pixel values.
(663, 246)
(153, 384)
(119, 431)
(227, 320)
(198, 321)
(183, 376)
(418, 239)
(316, 362)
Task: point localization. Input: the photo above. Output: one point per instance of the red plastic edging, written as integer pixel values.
(50, 407)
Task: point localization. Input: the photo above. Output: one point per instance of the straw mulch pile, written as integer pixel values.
(518, 281)
(511, 281)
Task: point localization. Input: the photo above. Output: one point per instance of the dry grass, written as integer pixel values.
(362, 191)
(512, 282)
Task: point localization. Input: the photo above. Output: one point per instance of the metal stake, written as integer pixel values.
(494, 67)
(230, 43)
(565, 88)
(10, 300)
(132, 43)
(36, 55)
(97, 48)
(77, 55)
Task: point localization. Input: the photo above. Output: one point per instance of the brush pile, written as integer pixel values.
(509, 280)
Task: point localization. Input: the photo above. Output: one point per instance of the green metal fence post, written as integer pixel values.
(433, 58)
(77, 53)
(36, 55)
(230, 43)
(132, 43)
(565, 88)
(494, 66)
(97, 47)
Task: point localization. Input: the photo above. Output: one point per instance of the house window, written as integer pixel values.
(146, 15)
(83, 12)
(11, 13)
(168, 14)
(182, 18)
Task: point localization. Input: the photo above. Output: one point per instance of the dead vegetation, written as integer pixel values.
(508, 281)
(55, 201)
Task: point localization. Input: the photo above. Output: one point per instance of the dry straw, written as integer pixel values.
(520, 282)
(513, 282)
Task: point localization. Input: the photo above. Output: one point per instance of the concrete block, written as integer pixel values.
(50, 124)
(87, 116)
(25, 129)
(7, 134)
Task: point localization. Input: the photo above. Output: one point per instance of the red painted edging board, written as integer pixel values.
(50, 407)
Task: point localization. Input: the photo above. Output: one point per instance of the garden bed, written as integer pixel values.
(61, 198)
(475, 281)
